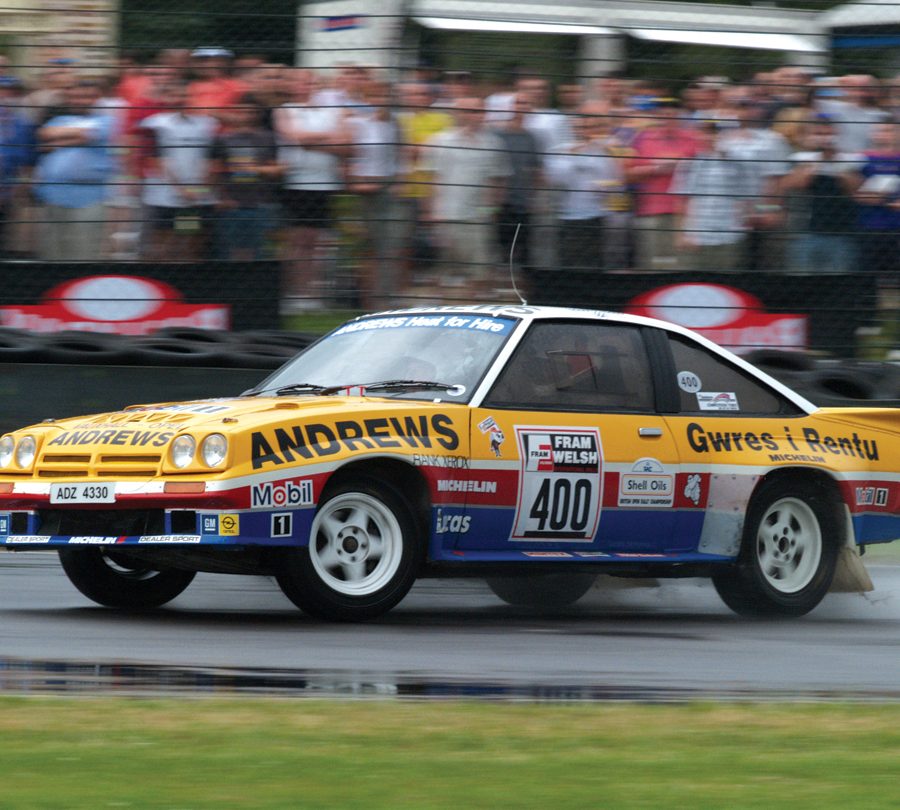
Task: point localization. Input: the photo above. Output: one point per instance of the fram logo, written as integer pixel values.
(298, 492)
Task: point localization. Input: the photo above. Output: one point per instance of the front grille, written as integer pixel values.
(103, 464)
(145, 459)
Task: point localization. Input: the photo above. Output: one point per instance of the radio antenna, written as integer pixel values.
(512, 275)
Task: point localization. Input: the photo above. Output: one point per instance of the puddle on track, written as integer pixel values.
(21, 677)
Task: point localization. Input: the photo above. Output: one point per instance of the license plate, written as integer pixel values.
(82, 493)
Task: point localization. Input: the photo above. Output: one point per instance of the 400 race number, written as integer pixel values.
(560, 483)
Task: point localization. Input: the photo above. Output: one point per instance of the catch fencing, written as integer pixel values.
(732, 168)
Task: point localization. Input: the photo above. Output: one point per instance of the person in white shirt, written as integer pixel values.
(371, 171)
(585, 173)
(313, 142)
(765, 154)
(552, 129)
(468, 167)
(177, 192)
(716, 193)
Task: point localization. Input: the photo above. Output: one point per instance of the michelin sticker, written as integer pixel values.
(648, 484)
(560, 483)
(717, 401)
(689, 382)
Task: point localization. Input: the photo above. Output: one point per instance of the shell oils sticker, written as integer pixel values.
(560, 483)
(490, 427)
(229, 525)
(648, 484)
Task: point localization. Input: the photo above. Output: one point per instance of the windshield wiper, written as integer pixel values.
(293, 388)
(363, 388)
(410, 385)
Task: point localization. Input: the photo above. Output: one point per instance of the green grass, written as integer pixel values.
(123, 752)
(317, 323)
(882, 553)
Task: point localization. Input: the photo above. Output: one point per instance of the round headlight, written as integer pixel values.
(183, 449)
(25, 450)
(214, 449)
(7, 446)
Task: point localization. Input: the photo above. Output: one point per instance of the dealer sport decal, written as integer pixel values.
(560, 483)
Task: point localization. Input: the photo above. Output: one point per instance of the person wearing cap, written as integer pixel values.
(214, 89)
(658, 150)
(72, 176)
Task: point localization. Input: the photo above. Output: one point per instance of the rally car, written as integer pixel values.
(535, 447)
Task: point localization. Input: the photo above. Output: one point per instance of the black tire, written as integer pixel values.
(370, 562)
(542, 591)
(165, 351)
(789, 553)
(115, 580)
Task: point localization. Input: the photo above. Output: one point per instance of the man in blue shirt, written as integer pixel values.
(72, 175)
(16, 152)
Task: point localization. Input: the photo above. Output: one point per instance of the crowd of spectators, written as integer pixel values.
(438, 179)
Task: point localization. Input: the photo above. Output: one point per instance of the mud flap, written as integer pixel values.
(850, 576)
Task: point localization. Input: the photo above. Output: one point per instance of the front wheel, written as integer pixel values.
(115, 580)
(543, 590)
(789, 552)
(364, 552)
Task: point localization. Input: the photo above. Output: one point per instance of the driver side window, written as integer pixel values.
(569, 366)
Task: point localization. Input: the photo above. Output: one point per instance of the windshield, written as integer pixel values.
(453, 349)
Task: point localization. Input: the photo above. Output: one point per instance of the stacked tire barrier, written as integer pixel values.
(830, 382)
(184, 346)
(70, 373)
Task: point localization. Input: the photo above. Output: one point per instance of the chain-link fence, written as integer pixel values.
(734, 168)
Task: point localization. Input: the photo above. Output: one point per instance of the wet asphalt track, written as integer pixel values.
(448, 638)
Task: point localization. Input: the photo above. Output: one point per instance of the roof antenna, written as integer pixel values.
(512, 275)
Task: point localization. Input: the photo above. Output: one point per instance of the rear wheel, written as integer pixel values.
(113, 579)
(542, 591)
(364, 552)
(789, 552)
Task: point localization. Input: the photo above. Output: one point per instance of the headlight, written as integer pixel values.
(25, 451)
(183, 449)
(7, 446)
(214, 449)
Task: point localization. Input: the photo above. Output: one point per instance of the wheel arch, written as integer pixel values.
(400, 475)
(822, 479)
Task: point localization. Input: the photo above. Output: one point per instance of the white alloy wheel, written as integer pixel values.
(356, 544)
(789, 545)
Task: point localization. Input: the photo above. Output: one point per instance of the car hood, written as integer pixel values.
(234, 414)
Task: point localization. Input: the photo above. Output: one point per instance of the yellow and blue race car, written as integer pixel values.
(535, 447)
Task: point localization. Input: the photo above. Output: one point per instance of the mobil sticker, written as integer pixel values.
(560, 483)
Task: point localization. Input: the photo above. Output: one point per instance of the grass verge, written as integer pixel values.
(98, 753)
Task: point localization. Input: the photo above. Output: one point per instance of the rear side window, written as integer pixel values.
(709, 384)
(577, 367)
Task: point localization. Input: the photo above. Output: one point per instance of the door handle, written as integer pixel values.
(649, 432)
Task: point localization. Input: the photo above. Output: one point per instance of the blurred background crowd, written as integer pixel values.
(431, 183)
